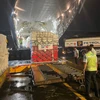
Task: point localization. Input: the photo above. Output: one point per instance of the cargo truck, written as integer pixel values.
(81, 43)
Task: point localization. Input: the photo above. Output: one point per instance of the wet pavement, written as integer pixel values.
(44, 92)
(54, 92)
(21, 87)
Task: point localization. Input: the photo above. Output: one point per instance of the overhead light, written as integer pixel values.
(51, 31)
(62, 14)
(18, 8)
(42, 29)
(70, 11)
(16, 31)
(68, 6)
(79, 1)
(17, 19)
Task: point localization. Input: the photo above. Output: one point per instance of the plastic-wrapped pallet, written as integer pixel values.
(3, 54)
(44, 47)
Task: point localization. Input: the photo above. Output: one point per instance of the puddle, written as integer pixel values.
(18, 96)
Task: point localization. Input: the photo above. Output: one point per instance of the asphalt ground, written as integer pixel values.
(69, 90)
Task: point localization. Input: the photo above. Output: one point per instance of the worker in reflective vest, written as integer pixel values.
(93, 50)
(90, 70)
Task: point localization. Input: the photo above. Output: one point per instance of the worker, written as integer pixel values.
(90, 70)
(93, 50)
(76, 55)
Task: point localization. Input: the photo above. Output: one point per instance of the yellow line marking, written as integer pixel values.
(55, 69)
(74, 65)
(70, 88)
(77, 94)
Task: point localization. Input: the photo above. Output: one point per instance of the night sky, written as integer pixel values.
(87, 22)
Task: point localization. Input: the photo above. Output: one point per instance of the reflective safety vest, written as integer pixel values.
(91, 62)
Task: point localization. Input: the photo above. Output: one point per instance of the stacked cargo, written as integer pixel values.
(44, 47)
(3, 54)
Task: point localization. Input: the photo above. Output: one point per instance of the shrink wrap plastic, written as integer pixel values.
(43, 47)
(3, 54)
